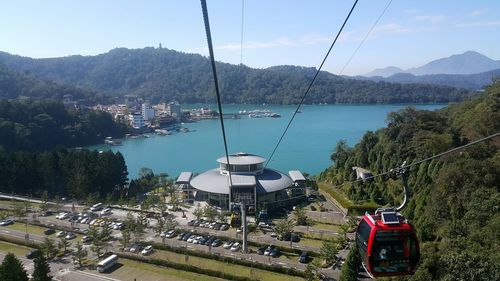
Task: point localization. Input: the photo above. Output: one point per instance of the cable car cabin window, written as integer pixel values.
(393, 251)
(363, 234)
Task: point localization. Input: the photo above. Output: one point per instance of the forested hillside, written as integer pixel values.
(456, 197)
(71, 173)
(44, 125)
(164, 75)
(15, 85)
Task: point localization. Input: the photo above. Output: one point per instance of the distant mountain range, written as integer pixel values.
(160, 74)
(470, 70)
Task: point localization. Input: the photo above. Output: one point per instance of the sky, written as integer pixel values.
(275, 32)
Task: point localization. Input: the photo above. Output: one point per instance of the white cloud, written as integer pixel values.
(431, 19)
(478, 12)
(478, 23)
(310, 39)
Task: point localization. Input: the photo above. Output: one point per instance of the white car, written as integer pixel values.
(170, 233)
(228, 244)
(61, 234)
(147, 251)
(191, 238)
(62, 216)
(235, 247)
(70, 235)
(6, 222)
(106, 211)
(135, 248)
(197, 239)
(118, 226)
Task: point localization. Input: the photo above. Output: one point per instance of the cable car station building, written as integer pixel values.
(250, 183)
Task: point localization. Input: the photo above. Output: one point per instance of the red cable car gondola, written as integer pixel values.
(386, 241)
(387, 244)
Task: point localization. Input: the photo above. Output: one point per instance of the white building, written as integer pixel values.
(174, 110)
(148, 113)
(250, 183)
(136, 121)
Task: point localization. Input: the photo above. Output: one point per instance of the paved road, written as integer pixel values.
(21, 234)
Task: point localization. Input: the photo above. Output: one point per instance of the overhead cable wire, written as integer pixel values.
(311, 83)
(241, 65)
(423, 160)
(364, 39)
(217, 92)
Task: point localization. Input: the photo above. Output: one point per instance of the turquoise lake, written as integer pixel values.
(307, 145)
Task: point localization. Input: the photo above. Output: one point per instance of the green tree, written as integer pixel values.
(64, 244)
(284, 227)
(79, 254)
(170, 222)
(97, 241)
(329, 251)
(198, 212)
(48, 247)
(126, 236)
(41, 271)
(350, 269)
(44, 206)
(210, 212)
(300, 215)
(12, 269)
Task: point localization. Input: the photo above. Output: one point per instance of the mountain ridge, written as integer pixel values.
(160, 74)
(469, 62)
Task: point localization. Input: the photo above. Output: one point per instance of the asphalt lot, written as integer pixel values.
(258, 236)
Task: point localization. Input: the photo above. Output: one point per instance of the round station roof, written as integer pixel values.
(242, 158)
(214, 182)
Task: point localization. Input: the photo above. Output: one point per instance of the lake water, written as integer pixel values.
(307, 145)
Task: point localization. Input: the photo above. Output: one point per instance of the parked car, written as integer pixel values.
(202, 240)
(135, 248)
(195, 239)
(147, 251)
(70, 235)
(62, 216)
(6, 222)
(304, 257)
(61, 234)
(181, 235)
(96, 207)
(216, 243)
(86, 239)
(49, 231)
(190, 238)
(118, 226)
(268, 250)
(224, 227)
(170, 233)
(261, 250)
(106, 211)
(275, 253)
(33, 254)
(235, 247)
(209, 240)
(227, 244)
(186, 236)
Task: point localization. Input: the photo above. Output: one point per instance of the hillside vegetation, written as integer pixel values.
(15, 85)
(44, 125)
(455, 198)
(164, 75)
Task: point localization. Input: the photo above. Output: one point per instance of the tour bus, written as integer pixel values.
(96, 207)
(107, 263)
